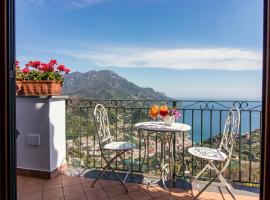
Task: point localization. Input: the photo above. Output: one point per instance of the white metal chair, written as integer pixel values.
(222, 154)
(106, 143)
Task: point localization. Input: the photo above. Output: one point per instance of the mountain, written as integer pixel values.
(106, 84)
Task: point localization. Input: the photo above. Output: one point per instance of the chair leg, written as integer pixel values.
(204, 188)
(224, 182)
(119, 179)
(129, 172)
(104, 169)
(99, 175)
(200, 173)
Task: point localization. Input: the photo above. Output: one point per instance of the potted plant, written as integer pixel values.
(19, 78)
(42, 78)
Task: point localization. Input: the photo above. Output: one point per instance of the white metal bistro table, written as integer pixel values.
(167, 135)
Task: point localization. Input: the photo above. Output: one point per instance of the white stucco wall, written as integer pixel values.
(43, 117)
(57, 133)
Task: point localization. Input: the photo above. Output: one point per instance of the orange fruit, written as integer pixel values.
(153, 112)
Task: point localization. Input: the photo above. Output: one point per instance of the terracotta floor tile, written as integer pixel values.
(88, 186)
(105, 183)
(143, 195)
(113, 190)
(60, 198)
(30, 180)
(121, 197)
(73, 189)
(132, 187)
(53, 194)
(165, 197)
(19, 189)
(79, 196)
(52, 185)
(31, 188)
(71, 181)
(96, 194)
(20, 181)
(32, 196)
(211, 196)
(241, 197)
(86, 180)
(181, 194)
(156, 191)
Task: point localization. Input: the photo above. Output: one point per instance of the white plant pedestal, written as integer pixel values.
(41, 143)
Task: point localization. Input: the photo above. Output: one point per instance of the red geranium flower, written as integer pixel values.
(26, 70)
(17, 64)
(35, 64)
(53, 62)
(50, 68)
(61, 67)
(44, 67)
(67, 70)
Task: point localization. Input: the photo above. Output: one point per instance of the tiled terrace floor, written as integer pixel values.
(78, 188)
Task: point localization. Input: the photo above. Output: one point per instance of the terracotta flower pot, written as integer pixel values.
(18, 87)
(41, 88)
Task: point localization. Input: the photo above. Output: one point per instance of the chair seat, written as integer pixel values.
(207, 153)
(119, 146)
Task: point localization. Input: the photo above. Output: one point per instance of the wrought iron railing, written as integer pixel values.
(205, 117)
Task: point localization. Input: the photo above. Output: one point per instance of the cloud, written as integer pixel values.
(179, 58)
(72, 4)
(82, 3)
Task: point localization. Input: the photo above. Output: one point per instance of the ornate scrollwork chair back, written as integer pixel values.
(102, 124)
(230, 132)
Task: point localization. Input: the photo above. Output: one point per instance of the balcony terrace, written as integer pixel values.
(79, 188)
(206, 119)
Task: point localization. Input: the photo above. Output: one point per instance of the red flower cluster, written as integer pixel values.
(17, 64)
(67, 70)
(25, 70)
(33, 64)
(37, 70)
(62, 68)
(46, 67)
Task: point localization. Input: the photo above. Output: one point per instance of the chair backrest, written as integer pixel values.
(102, 124)
(231, 130)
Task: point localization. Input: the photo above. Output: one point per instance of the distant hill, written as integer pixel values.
(106, 84)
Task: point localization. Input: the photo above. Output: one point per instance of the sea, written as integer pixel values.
(207, 117)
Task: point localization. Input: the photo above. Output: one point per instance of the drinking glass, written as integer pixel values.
(163, 111)
(153, 112)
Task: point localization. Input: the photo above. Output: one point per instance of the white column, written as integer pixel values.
(41, 144)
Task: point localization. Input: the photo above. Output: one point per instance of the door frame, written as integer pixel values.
(7, 101)
(265, 140)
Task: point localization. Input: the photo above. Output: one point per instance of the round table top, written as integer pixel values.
(162, 127)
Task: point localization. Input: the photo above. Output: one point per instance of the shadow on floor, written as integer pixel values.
(137, 178)
(241, 186)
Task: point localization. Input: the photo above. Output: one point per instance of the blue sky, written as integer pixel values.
(185, 48)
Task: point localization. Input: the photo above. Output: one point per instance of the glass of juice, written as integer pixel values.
(163, 111)
(153, 112)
